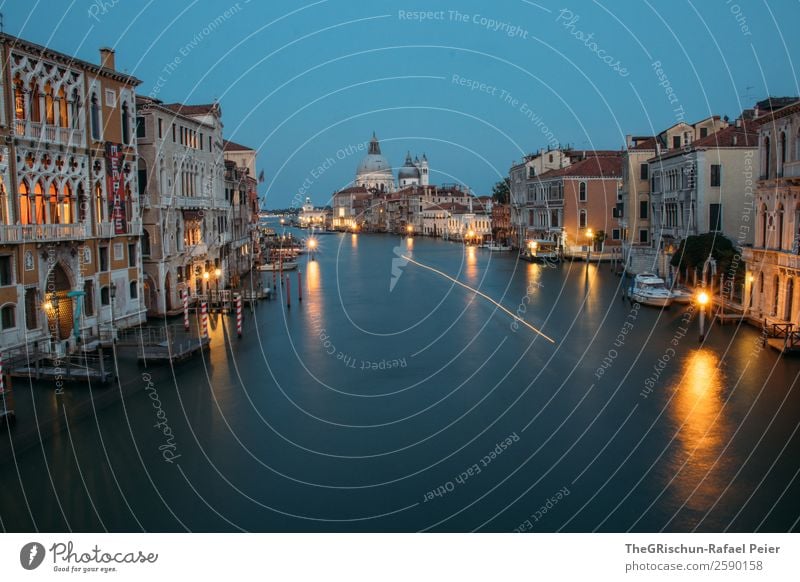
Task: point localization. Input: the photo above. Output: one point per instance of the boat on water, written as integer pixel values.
(279, 266)
(541, 250)
(680, 295)
(494, 245)
(649, 289)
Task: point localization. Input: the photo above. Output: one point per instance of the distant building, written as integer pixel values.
(309, 216)
(568, 203)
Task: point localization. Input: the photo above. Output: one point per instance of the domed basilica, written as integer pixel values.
(375, 173)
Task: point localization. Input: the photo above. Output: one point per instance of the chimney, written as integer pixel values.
(738, 122)
(107, 58)
(629, 141)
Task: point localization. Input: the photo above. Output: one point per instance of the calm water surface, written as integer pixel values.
(393, 399)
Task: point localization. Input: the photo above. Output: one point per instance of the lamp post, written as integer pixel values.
(217, 275)
(410, 230)
(749, 285)
(312, 244)
(113, 292)
(590, 235)
(702, 300)
(206, 276)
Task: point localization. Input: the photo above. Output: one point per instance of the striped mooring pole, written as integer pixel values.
(299, 287)
(288, 293)
(239, 315)
(186, 309)
(204, 318)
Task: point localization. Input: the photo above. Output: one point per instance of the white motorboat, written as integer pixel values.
(285, 266)
(648, 289)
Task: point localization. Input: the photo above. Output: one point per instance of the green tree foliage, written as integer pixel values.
(501, 192)
(695, 250)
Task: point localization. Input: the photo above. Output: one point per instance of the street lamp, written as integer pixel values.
(312, 244)
(206, 276)
(702, 300)
(410, 230)
(590, 236)
(113, 292)
(217, 275)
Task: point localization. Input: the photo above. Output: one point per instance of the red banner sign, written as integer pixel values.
(116, 188)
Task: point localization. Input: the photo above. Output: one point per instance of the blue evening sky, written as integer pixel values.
(307, 82)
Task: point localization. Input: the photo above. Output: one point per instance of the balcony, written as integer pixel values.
(203, 202)
(66, 136)
(19, 233)
(106, 229)
(791, 169)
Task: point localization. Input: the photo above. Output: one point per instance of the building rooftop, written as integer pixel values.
(232, 146)
(600, 165)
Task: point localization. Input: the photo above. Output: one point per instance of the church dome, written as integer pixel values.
(409, 171)
(374, 162)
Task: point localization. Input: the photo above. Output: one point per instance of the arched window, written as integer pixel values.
(761, 283)
(789, 302)
(797, 145)
(126, 124)
(779, 220)
(49, 105)
(763, 225)
(53, 204)
(582, 192)
(94, 113)
(67, 205)
(25, 216)
(63, 109)
(776, 288)
(5, 215)
(75, 109)
(83, 204)
(8, 315)
(782, 154)
(19, 100)
(582, 219)
(767, 152)
(134, 290)
(145, 242)
(98, 203)
(38, 203)
(35, 104)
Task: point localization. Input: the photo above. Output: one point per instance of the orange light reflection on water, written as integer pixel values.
(699, 473)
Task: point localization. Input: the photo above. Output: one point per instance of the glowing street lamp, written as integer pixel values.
(217, 275)
(702, 301)
(410, 230)
(590, 235)
(206, 276)
(312, 244)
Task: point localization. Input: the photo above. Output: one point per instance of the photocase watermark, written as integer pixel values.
(399, 262)
(348, 360)
(543, 510)
(507, 98)
(490, 24)
(31, 555)
(739, 16)
(322, 168)
(619, 341)
(100, 8)
(473, 470)
(568, 20)
(168, 448)
(173, 65)
(522, 309)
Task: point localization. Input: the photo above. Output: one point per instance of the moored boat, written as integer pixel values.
(284, 266)
(649, 289)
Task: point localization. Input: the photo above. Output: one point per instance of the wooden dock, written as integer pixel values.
(782, 337)
(177, 350)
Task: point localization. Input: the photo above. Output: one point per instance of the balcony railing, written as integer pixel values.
(107, 230)
(193, 201)
(67, 136)
(18, 233)
(791, 169)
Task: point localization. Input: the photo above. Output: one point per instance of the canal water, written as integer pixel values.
(392, 398)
